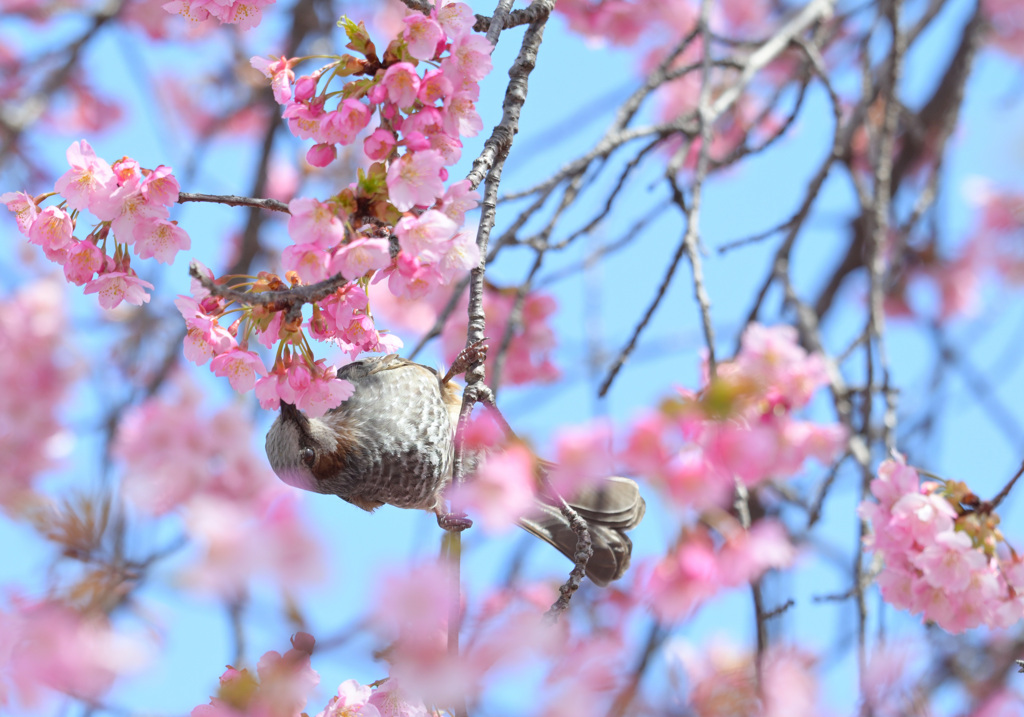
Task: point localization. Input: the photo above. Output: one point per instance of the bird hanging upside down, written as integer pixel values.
(393, 441)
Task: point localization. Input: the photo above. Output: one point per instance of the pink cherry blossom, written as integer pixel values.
(128, 208)
(719, 674)
(415, 127)
(402, 84)
(360, 335)
(455, 18)
(172, 451)
(449, 147)
(314, 392)
(422, 36)
(32, 388)
(240, 367)
(83, 260)
(458, 199)
(238, 542)
(583, 457)
(415, 179)
(698, 568)
(533, 340)
(246, 15)
(305, 118)
(273, 330)
(433, 87)
(425, 236)
(117, 286)
(282, 688)
(279, 72)
(324, 393)
(128, 172)
(379, 144)
(461, 254)
(411, 279)
(205, 338)
(50, 645)
(461, 117)
(309, 261)
(412, 604)
(342, 125)
(502, 489)
(314, 222)
(192, 10)
(89, 179)
(320, 155)
(24, 208)
(352, 700)
(160, 239)
(305, 87)
(160, 187)
(392, 701)
(355, 259)
(469, 62)
(52, 229)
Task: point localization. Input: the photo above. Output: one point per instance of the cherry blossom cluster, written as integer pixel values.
(418, 119)
(244, 13)
(339, 239)
(420, 115)
(172, 452)
(532, 342)
(132, 205)
(49, 646)
(504, 631)
(531, 337)
(282, 684)
(33, 381)
(397, 223)
(244, 523)
(742, 425)
(700, 566)
(296, 376)
(504, 486)
(942, 551)
(724, 680)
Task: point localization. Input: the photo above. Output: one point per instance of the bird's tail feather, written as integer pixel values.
(609, 508)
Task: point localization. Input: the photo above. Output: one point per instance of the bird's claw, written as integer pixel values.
(454, 522)
(473, 354)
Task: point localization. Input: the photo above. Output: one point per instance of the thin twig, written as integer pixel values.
(234, 201)
(991, 505)
(584, 552)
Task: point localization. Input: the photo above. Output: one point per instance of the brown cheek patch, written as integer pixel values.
(330, 465)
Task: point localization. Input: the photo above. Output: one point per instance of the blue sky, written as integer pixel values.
(759, 193)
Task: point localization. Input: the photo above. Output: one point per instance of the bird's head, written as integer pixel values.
(299, 448)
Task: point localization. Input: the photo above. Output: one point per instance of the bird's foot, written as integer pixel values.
(454, 522)
(472, 354)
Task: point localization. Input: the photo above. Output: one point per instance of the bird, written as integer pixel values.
(393, 442)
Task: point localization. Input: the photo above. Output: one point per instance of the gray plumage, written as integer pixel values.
(392, 442)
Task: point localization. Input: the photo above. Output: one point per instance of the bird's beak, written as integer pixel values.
(291, 413)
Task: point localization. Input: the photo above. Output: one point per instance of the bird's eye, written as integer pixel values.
(308, 456)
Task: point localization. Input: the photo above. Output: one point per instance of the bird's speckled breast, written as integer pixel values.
(407, 462)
